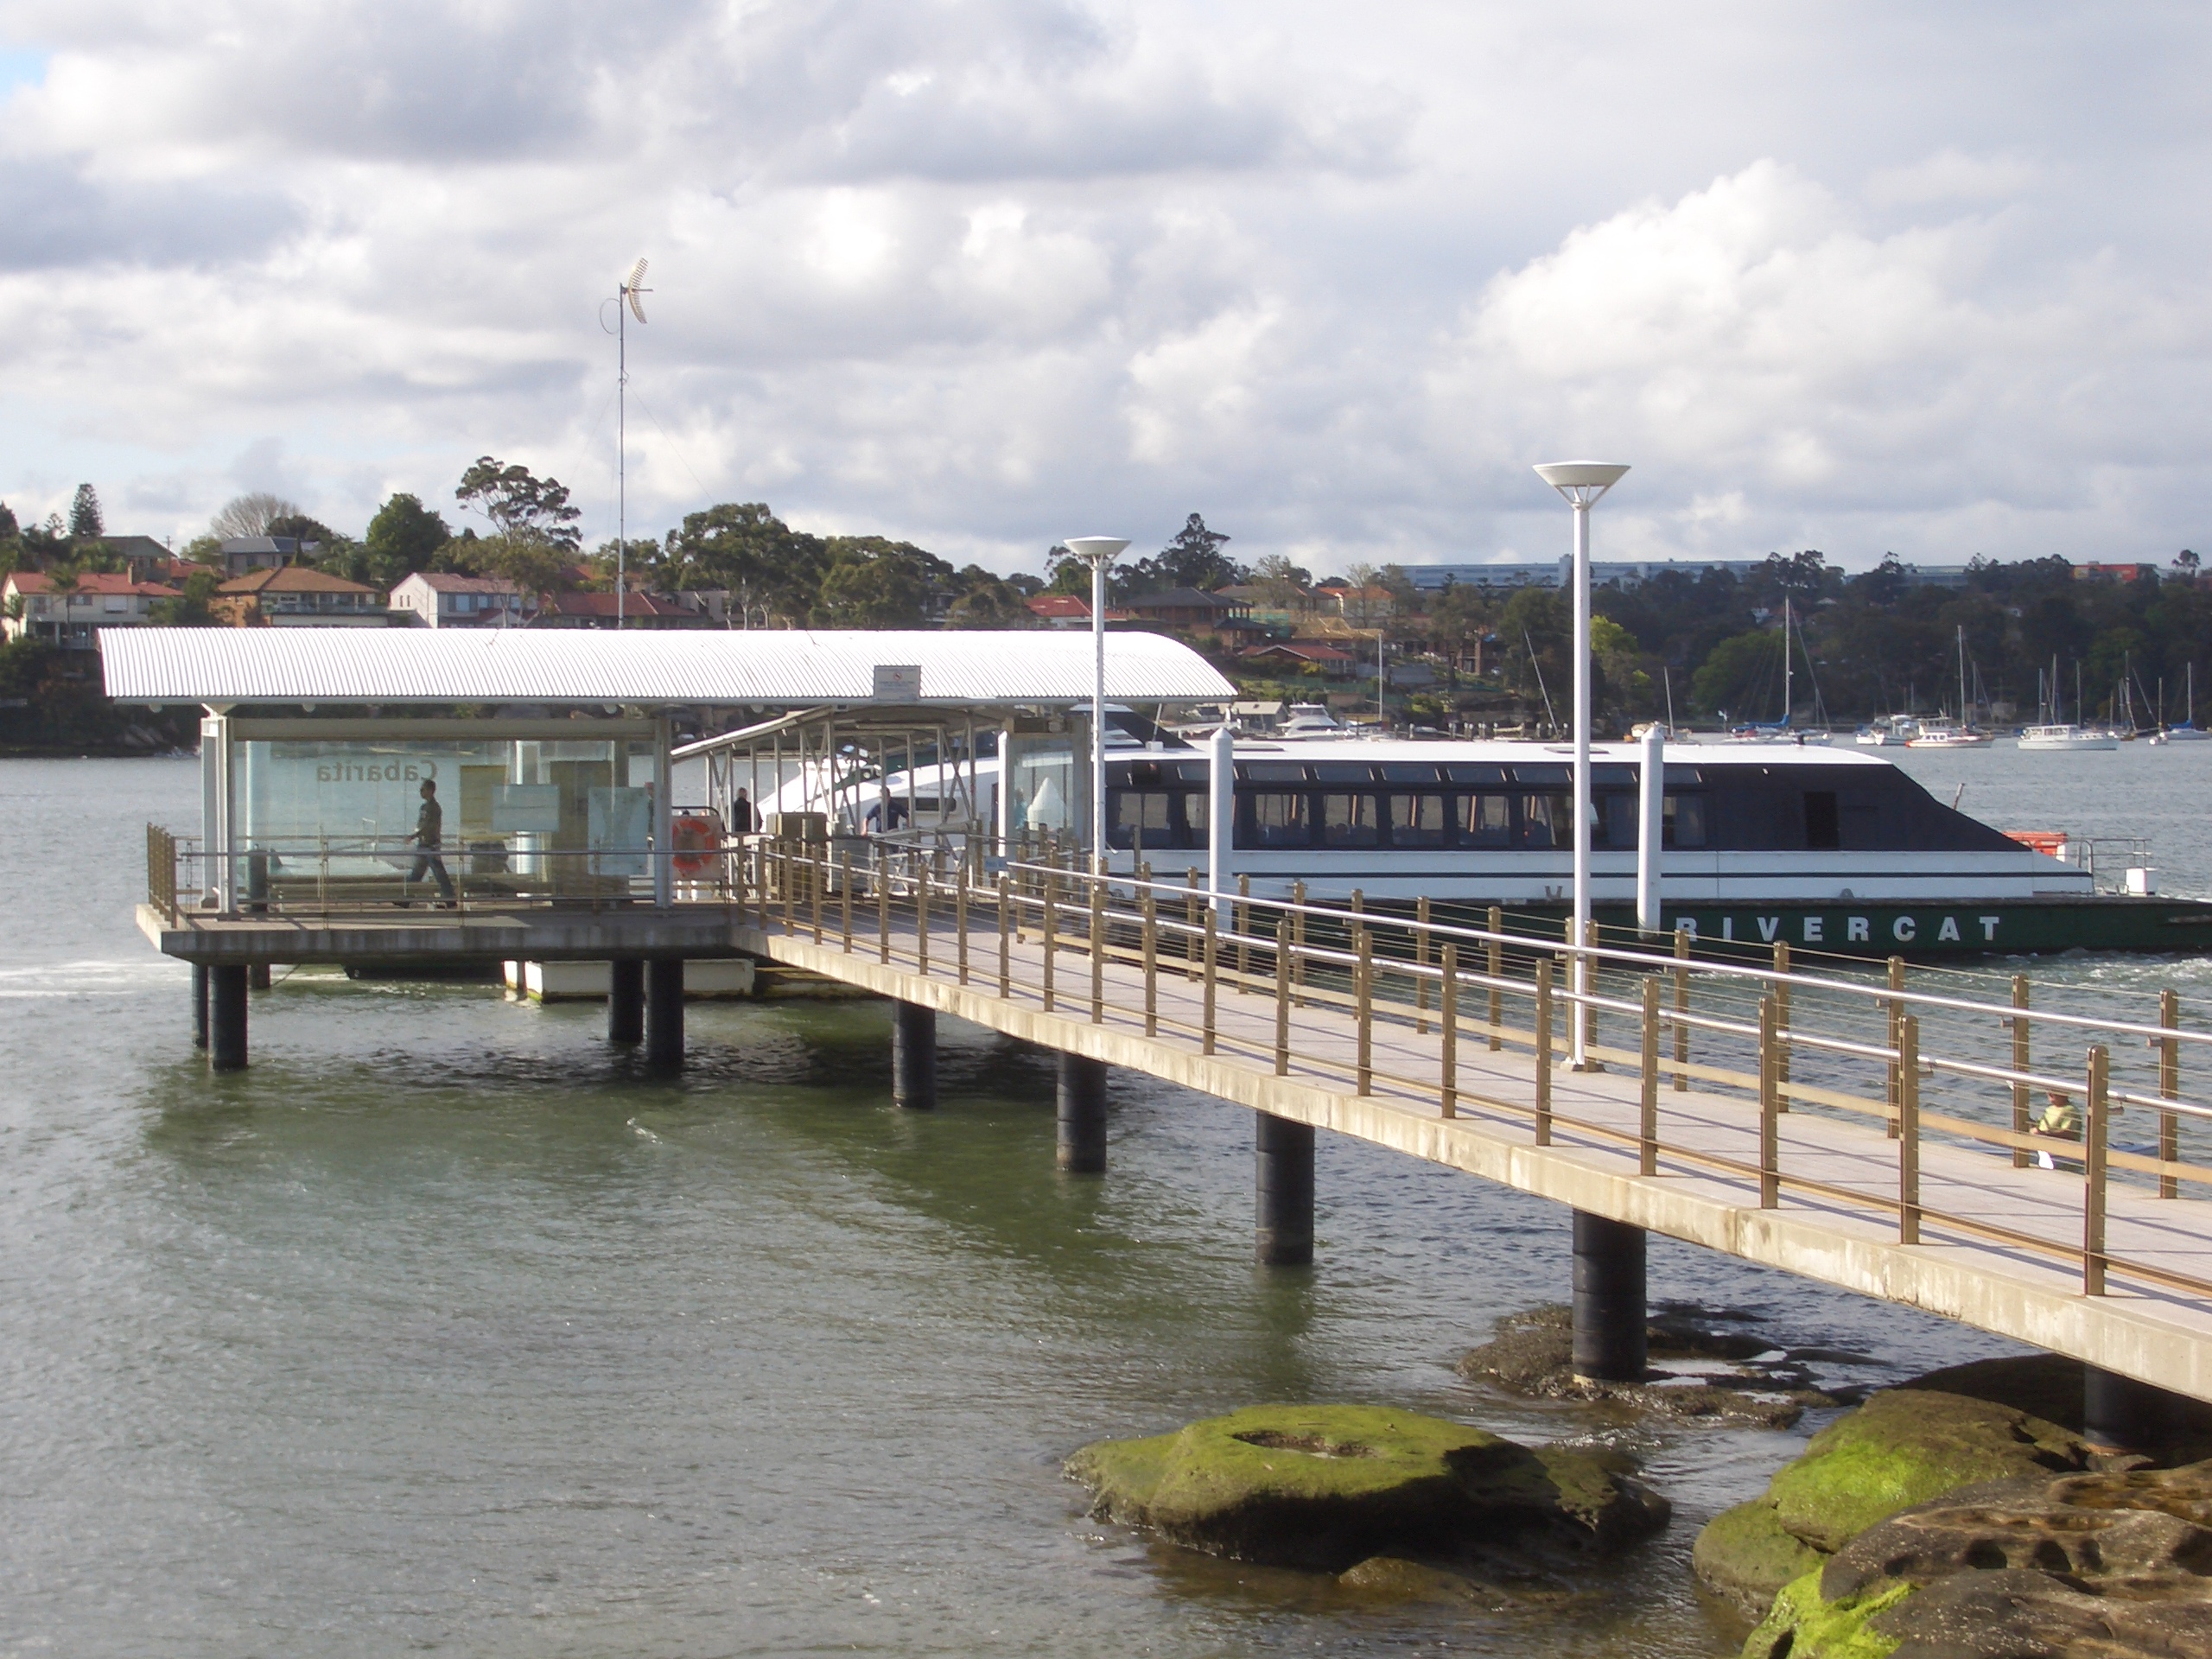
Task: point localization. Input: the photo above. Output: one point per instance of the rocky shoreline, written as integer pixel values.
(1961, 1514)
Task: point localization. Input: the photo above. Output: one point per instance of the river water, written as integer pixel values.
(443, 1328)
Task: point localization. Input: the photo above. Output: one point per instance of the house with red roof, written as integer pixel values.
(71, 615)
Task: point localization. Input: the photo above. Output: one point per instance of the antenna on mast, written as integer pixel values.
(626, 297)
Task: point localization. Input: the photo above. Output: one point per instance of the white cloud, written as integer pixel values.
(972, 270)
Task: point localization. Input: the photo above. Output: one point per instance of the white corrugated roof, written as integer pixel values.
(400, 665)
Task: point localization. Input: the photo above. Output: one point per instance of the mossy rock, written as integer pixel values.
(1325, 1487)
(1801, 1625)
(1906, 1446)
(1745, 1555)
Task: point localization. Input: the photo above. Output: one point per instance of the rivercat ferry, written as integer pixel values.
(1830, 850)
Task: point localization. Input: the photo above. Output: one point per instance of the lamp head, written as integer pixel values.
(1095, 550)
(1581, 481)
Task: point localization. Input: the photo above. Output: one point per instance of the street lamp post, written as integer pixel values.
(1581, 482)
(1098, 552)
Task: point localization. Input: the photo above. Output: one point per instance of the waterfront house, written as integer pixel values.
(32, 604)
(640, 610)
(440, 600)
(297, 595)
(1300, 656)
(1070, 611)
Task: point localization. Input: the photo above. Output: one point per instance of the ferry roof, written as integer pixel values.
(773, 668)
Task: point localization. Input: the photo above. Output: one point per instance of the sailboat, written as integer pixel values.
(1949, 734)
(2189, 731)
(1782, 731)
(2058, 734)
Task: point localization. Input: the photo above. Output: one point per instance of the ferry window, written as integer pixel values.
(1195, 806)
(1555, 777)
(1278, 818)
(1139, 819)
(1546, 821)
(1270, 771)
(1684, 821)
(1471, 771)
(1612, 821)
(1407, 772)
(1823, 824)
(1349, 821)
(1342, 771)
(1420, 821)
(1489, 821)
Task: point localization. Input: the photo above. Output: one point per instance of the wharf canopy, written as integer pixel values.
(555, 751)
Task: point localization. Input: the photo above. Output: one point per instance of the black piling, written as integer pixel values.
(1082, 1101)
(1609, 1299)
(913, 1057)
(200, 1004)
(626, 1000)
(226, 1018)
(257, 976)
(1283, 1184)
(664, 1014)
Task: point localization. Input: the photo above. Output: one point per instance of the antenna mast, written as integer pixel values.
(625, 295)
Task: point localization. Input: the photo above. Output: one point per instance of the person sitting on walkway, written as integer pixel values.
(430, 840)
(2057, 1123)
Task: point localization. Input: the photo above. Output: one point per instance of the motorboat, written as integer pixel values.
(1948, 735)
(1894, 733)
(2067, 736)
(1304, 722)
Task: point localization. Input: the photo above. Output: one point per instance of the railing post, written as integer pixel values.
(1006, 923)
(1908, 1130)
(883, 880)
(1769, 1078)
(1298, 940)
(2022, 1053)
(2169, 1089)
(960, 916)
(761, 881)
(1495, 966)
(1052, 931)
(1151, 943)
(2093, 1171)
(1098, 952)
(845, 899)
(1364, 1008)
(1781, 1026)
(1447, 1016)
(1587, 982)
(1648, 1074)
(1421, 962)
(1213, 952)
(1284, 927)
(1896, 1014)
(785, 858)
(1190, 928)
(1544, 1053)
(1240, 924)
(817, 869)
(921, 916)
(1682, 1008)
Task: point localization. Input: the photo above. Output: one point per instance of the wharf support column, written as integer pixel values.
(913, 1057)
(626, 1000)
(2120, 1414)
(1081, 1098)
(664, 1014)
(1609, 1299)
(226, 1018)
(1283, 1186)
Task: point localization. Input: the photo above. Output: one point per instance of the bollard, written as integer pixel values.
(1283, 1190)
(1609, 1344)
(1080, 1105)
(913, 1057)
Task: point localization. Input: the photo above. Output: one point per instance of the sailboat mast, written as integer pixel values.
(1787, 686)
(1966, 716)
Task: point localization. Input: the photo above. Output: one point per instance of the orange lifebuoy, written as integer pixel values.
(694, 838)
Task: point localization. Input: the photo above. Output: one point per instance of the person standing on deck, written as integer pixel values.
(429, 840)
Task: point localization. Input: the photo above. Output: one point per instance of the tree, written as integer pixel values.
(769, 568)
(1066, 574)
(1460, 619)
(985, 601)
(2185, 560)
(193, 610)
(1193, 559)
(1737, 668)
(8, 528)
(403, 538)
(520, 502)
(531, 563)
(304, 530)
(1281, 583)
(250, 514)
(85, 519)
(873, 582)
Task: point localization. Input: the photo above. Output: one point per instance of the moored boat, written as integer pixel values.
(2067, 736)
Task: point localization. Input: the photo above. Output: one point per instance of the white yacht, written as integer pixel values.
(1948, 734)
(2067, 736)
(1304, 722)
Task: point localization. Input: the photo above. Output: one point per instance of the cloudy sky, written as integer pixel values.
(981, 273)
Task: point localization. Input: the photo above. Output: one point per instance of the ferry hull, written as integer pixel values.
(2004, 926)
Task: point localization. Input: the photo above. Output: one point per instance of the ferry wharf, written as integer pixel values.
(1878, 1135)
